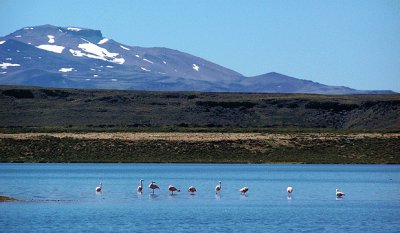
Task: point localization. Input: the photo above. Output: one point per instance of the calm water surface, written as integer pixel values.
(62, 198)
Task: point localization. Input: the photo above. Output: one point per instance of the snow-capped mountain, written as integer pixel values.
(52, 56)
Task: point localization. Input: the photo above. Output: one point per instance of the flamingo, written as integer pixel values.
(98, 188)
(153, 186)
(244, 190)
(339, 193)
(218, 188)
(140, 187)
(289, 190)
(173, 189)
(192, 189)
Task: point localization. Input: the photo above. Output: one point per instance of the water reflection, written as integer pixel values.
(153, 196)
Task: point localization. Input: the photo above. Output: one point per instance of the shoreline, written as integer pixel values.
(7, 199)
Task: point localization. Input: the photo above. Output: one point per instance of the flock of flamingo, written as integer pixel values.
(192, 189)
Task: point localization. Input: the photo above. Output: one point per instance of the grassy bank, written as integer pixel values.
(310, 148)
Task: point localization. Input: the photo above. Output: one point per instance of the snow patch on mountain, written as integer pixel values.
(66, 70)
(51, 48)
(145, 69)
(137, 55)
(123, 47)
(2, 42)
(96, 52)
(28, 28)
(74, 29)
(144, 59)
(119, 60)
(51, 39)
(196, 67)
(103, 41)
(4, 65)
(19, 36)
(77, 53)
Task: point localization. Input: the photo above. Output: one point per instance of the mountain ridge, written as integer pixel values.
(84, 58)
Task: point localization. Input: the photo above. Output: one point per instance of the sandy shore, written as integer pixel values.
(202, 137)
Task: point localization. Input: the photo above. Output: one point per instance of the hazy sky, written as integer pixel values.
(350, 43)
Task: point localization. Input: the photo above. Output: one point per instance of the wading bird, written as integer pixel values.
(153, 186)
(140, 187)
(98, 188)
(244, 190)
(218, 188)
(173, 189)
(192, 190)
(339, 193)
(289, 190)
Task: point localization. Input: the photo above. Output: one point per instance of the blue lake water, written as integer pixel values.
(62, 198)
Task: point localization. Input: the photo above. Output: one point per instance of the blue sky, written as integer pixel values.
(348, 43)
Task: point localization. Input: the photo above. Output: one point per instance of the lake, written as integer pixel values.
(62, 198)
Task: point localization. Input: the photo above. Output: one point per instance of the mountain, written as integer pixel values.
(72, 57)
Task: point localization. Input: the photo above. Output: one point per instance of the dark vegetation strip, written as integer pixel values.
(316, 151)
(28, 109)
(182, 128)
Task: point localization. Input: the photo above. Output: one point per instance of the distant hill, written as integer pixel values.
(52, 56)
(23, 107)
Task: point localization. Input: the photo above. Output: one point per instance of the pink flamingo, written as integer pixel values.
(339, 193)
(192, 189)
(218, 188)
(140, 187)
(244, 190)
(173, 189)
(98, 188)
(153, 186)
